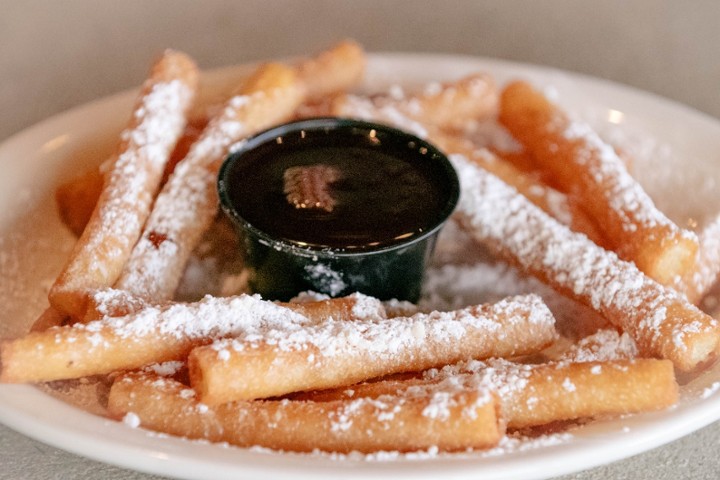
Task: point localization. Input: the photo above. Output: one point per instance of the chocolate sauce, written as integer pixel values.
(354, 191)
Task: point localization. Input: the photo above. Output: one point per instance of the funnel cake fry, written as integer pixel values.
(445, 105)
(338, 352)
(119, 303)
(157, 122)
(536, 395)
(662, 323)
(452, 421)
(584, 166)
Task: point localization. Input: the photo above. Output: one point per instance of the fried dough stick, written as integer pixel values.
(440, 106)
(591, 170)
(159, 334)
(333, 71)
(118, 303)
(445, 105)
(188, 203)
(451, 421)
(662, 323)
(157, 122)
(535, 395)
(550, 200)
(338, 352)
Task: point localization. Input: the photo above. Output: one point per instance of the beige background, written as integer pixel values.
(55, 55)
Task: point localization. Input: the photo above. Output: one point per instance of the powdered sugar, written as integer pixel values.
(165, 369)
(438, 407)
(519, 443)
(325, 278)
(606, 344)
(366, 307)
(131, 420)
(384, 411)
(568, 385)
(709, 391)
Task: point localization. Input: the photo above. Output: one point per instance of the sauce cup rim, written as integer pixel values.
(333, 123)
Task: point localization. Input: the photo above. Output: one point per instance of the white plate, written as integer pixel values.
(677, 158)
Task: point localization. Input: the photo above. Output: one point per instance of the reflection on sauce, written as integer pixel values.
(310, 186)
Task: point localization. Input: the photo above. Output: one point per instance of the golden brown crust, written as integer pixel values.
(594, 174)
(457, 421)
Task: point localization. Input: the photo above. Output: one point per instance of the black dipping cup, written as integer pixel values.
(337, 206)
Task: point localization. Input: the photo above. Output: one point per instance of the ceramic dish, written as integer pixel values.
(677, 160)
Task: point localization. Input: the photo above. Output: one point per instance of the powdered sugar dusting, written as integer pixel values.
(506, 378)
(165, 369)
(606, 344)
(568, 385)
(383, 411)
(366, 307)
(325, 278)
(438, 407)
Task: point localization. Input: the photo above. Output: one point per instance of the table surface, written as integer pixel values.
(55, 55)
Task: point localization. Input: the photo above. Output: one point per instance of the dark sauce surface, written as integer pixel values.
(383, 190)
